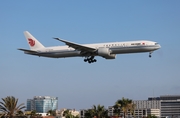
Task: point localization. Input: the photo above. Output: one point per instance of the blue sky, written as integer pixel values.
(77, 84)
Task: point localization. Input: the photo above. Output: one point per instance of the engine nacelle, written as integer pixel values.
(106, 53)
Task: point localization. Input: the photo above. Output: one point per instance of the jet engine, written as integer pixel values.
(106, 53)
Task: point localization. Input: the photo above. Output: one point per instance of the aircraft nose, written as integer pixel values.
(159, 46)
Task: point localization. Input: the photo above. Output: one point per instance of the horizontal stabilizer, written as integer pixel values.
(25, 50)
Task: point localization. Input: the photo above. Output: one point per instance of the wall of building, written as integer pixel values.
(170, 108)
(42, 104)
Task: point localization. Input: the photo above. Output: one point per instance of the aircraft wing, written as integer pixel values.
(77, 46)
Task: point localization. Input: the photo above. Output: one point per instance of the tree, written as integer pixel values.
(151, 116)
(20, 114)
(105, 114)
(96, 111)
(52, 112)
(132, 108)
(88, 113)
(125, 105)
(34, 114)
(117, 109)
(66, 113)
(9, 106)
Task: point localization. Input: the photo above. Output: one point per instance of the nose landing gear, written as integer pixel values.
(150, 54)
(90, 59)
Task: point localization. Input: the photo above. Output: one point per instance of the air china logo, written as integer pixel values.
(31, 42)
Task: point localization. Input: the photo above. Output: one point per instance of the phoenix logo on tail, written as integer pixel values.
(31, 42)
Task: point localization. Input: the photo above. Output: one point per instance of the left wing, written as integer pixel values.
(77, 46)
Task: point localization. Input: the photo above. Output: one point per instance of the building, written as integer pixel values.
(143, 108)
(155, 112)
(147, 107)
(170, 105)
(163, 106)
(147, 104)
(42, 104)
(60, 113)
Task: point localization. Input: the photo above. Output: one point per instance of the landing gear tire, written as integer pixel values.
(85, 60)
(90, 59)
(150, 54)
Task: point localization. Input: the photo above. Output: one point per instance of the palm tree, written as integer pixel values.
(9, 106)
(88, 113)
(105, 114)
(98, 111)
(67, 114)
(151, 116)
(1, 115)
(116, 107)
(126, 105)
(20, 113)
(51, 112)
(132, 108)
(33, 113)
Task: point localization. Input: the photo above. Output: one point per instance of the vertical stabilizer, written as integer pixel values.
(32, 41)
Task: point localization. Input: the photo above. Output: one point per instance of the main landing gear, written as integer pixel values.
(90, 59)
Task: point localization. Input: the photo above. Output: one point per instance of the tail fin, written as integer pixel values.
(32, 41)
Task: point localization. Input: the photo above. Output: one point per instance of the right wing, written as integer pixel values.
(77, 46)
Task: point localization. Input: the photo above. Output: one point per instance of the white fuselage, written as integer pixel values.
(114, 47)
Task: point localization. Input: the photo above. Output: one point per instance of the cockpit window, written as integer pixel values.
(156, 43)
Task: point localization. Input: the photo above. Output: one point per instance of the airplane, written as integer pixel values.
(88, 51)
